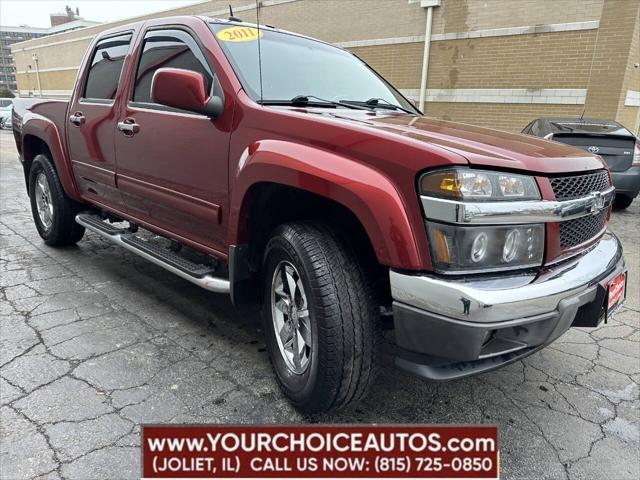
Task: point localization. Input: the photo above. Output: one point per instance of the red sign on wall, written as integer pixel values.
(340, 451)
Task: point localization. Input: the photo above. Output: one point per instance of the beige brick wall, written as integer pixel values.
(59, 80)
(55, 56)
(503, 116)
(470, 15)
(345, 20)
(515, 61)
(617, 25)
(630, 116)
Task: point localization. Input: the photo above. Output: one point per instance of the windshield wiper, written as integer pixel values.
(374, 103)
(387, 104)
(304, 100)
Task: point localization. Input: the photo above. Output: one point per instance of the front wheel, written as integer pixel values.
(322, 327)
(53, 212)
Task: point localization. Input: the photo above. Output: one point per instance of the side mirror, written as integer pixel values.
(184, 89)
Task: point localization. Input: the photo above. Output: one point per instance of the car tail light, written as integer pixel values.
(636, 155)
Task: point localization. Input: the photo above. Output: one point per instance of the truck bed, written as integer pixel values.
(51, 108)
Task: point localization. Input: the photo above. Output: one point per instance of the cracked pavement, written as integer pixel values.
(95, 341)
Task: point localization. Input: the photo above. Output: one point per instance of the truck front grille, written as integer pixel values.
(580, 230)
(576, 186)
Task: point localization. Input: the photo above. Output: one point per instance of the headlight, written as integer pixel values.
(478, 185)
(459, 249)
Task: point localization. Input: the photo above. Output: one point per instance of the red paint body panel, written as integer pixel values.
(188, 176)
(485, 147)
(45, 120)
(174, 171)
(350, 183)
(91, 145)
(325, 154)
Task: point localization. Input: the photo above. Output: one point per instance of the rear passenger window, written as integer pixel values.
(164, 49)
(105, 68)
(535, 129)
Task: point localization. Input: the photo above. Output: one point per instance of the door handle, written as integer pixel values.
(77, 119)
(129, 127)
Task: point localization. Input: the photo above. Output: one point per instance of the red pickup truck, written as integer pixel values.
(285, 172)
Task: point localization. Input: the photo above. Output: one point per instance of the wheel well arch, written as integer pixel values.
(267, 205)
(31, 147)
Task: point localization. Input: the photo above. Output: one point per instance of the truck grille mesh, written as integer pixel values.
(580, 230)
(568, 188)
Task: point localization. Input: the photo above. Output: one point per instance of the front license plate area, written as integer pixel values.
(616, 294)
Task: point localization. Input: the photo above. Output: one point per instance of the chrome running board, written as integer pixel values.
(201, 275)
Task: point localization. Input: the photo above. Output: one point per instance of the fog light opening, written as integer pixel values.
(479, 247)
(511, 245)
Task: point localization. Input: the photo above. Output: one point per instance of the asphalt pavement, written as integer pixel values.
(95, 341)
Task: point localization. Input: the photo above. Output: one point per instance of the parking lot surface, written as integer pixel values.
(95, 341)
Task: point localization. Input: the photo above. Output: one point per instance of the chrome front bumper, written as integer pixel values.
(447, 328)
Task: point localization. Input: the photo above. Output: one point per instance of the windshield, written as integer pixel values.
(294, 66)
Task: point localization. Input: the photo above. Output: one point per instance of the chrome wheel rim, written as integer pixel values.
(290, 315)
(44, 204)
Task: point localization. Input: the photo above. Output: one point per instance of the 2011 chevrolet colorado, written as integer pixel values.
(287, 173)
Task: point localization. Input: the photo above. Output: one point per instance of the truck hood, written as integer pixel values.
(482, 147)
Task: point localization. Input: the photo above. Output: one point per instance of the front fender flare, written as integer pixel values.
(365, 191)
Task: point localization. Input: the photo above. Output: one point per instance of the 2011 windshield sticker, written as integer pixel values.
(239, 34)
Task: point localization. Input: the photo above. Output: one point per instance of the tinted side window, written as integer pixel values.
(535, 129)
(168, 49)
(105, 67)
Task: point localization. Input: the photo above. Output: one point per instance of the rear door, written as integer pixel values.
(172, 171)
(92, 121)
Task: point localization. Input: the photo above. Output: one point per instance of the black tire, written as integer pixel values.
(622, 201)
(63, 229)
(345, 320)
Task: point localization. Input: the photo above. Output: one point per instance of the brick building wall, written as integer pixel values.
(498, 63)
(612, 59)
(629, 101)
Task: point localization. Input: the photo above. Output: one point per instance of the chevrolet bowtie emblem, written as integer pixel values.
(598, 202)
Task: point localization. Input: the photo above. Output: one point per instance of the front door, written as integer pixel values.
(172, 165)
(92, 122)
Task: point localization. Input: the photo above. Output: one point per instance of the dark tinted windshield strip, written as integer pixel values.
(589, 128)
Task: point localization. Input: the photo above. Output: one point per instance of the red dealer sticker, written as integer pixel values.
(345, 451)
(616, 293)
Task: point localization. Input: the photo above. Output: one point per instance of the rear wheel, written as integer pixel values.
(321, 323)
(53, 212)
(622, 201)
